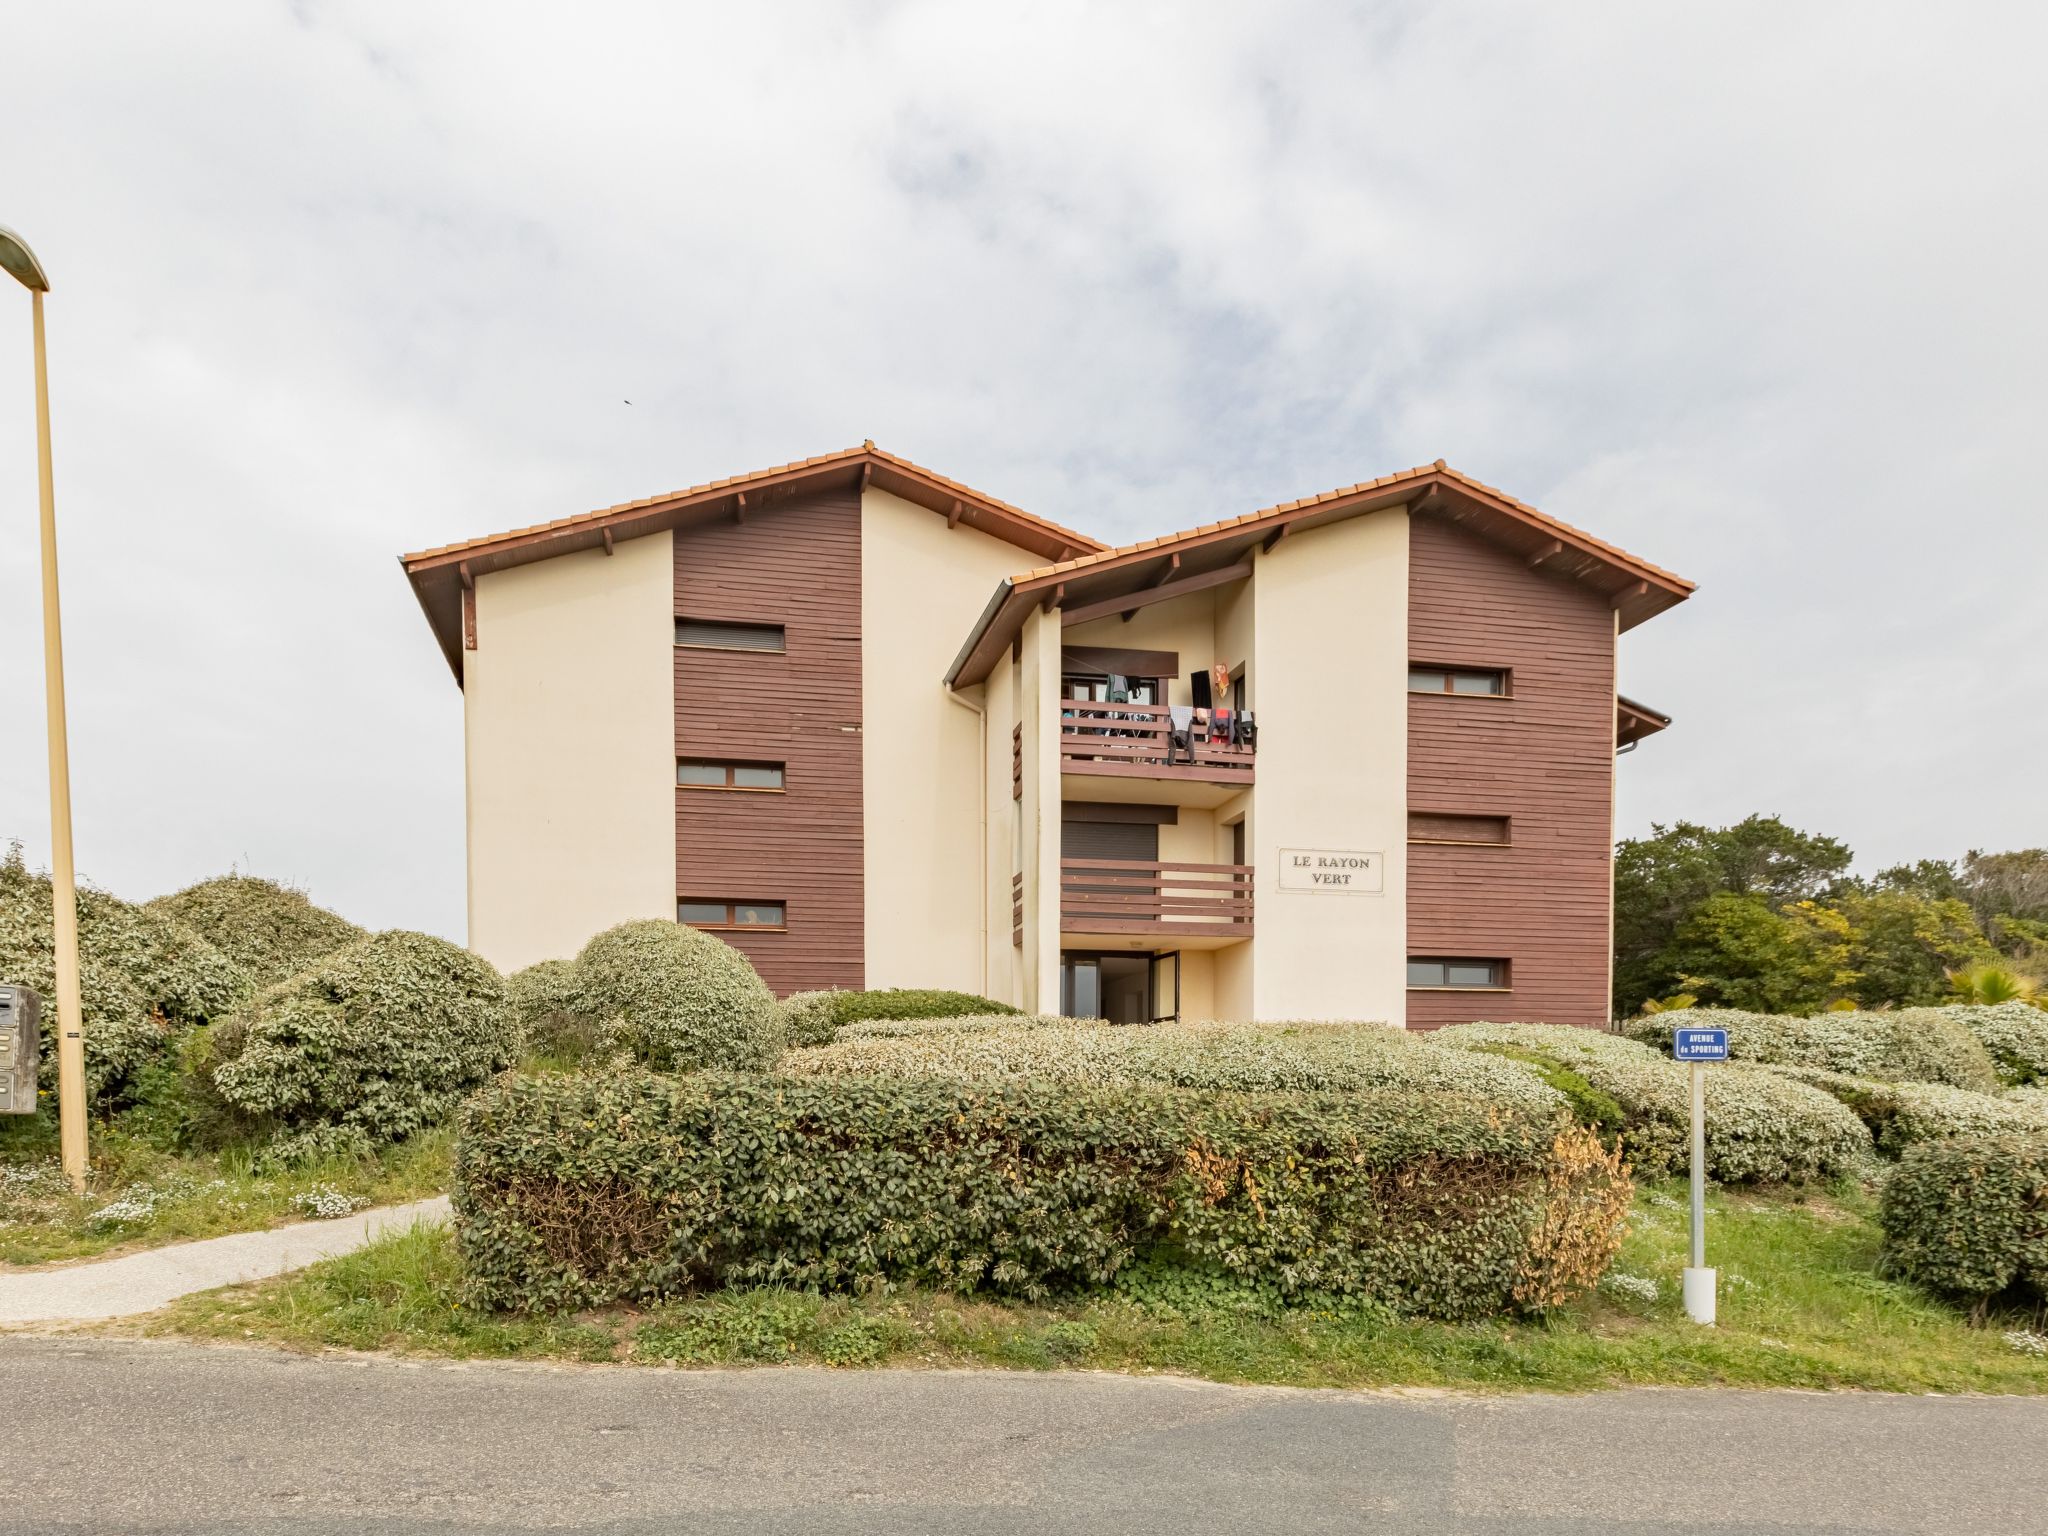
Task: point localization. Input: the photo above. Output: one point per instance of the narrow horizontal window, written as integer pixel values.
(700, 913)
(1478, 682)
(1441, 971)
(1436, 827)
(717, 635)
(714, 773)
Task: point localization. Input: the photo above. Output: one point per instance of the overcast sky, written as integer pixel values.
(1752, 291)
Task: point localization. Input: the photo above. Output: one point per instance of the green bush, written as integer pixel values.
(1968, 1217)
(969, 1023)
(1901, 1115)
(911, 1003)
(677, 999)
(1243, 1057)
(1762, 1127)
(142, 977)
(2016, 1035)
(807, 1017)
(271, 931)
(573, 1191)
(1913, 1045)
(547, 1003)
(369, 1045)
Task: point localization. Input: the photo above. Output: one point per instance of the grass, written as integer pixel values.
(140, 1196)
(1802, 1305)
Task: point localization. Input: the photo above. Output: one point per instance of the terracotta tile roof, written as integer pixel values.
(1420, 472)
(867, 452)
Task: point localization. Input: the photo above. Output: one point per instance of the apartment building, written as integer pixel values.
(1351, 756)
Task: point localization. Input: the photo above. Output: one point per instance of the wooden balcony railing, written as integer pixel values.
(1136, 741)
(1167, 901)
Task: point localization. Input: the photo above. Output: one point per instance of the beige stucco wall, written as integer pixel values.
(1038, 683)
(1332, 648)
(1186, 626)
(569, 742)
(923, 763)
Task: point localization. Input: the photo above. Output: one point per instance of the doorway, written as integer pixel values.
(1122, 988)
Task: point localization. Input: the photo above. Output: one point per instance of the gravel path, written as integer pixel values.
(142, 1282)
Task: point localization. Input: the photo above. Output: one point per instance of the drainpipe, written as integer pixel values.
(981, 786)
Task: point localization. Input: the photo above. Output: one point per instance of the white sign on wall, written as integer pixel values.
(1341, 871)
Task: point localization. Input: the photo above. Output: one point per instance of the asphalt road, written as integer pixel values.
(124, 1437)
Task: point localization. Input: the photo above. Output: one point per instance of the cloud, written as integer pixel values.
(1747, 289)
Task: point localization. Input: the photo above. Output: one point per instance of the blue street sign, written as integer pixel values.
(1699, 1044)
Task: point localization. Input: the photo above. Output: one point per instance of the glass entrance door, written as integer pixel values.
(1128, 988)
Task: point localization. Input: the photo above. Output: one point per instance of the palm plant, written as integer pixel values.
(1989, 983)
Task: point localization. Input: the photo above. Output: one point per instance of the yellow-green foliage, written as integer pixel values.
(271, 931)
(1244, 1057)
(1912, 1045)
(575, 1191)
(1761, 1127)
(142, 976)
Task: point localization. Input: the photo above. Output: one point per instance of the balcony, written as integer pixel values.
(1134, 741)
(1174, 906)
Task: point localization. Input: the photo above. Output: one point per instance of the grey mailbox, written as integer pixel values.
(20, 1007)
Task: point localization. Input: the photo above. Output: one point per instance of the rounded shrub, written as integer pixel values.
(807, 1017)
(1912, 1045)
(368, 1045)
(1762, 1127)
(142, 976)
(2016, 1035)
(677, 999)
(1902, 1115)
(911, 1003)
(271, 931)
(1968, 1217)
(547, 1003)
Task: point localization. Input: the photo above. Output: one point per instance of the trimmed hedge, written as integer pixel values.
(912, 1003)
(370, 1045)
(271, 931)
(575, 1191)
(2016, 1035)
(1762, 1127)
(897, 1029)
(1271, 1058)
(142, 977)
(807, 1017)
(1913, 1045)
(547, 1004)
(1968, 1216)
(677, 999)
(1902, 1115)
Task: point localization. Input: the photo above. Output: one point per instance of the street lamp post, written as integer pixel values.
(21, 264)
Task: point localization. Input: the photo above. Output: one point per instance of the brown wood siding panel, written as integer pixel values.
(796, 564)
(1544, 757)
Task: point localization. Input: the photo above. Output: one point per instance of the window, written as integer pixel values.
(1435, 971)
(708, 773)
(699, 913)
(1444, 827)
(1476, 682)
(717, 635)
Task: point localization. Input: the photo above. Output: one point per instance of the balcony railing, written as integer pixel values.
(1167, 901)
(1136, 741)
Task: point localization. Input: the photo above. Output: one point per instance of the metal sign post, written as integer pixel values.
(1698, 1047)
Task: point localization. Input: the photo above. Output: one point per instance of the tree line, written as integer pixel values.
(1760, 915)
